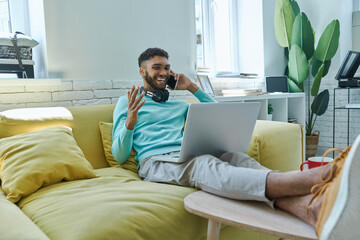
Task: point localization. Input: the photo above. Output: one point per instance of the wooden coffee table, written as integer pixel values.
(249, 215)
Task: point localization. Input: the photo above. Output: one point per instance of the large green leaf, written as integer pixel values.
(329, 42)
(298, 65)
(295, 7)
(293, 87)
(303, 35)
(317, 64)
(317, 80)
(283, 22)
(320, 103)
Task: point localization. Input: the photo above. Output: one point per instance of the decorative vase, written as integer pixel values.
(312, 143)
(269, 117)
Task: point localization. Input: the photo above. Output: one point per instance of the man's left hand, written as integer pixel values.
(184, 83)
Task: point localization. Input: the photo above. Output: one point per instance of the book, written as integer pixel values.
(352, 105)
(236, 75)
(292, 120)
(242, 92)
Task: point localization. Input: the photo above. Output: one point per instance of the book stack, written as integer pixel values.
(352, 105)
(242, 92)
(236, 75)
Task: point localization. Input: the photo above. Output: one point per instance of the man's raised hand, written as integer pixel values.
(133, 107)
(184, 83)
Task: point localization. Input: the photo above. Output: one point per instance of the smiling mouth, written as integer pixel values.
(161, 79)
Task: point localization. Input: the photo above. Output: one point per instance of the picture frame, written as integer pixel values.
(206, 84)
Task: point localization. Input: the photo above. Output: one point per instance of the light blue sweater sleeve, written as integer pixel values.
(203, 97)
(122, 137)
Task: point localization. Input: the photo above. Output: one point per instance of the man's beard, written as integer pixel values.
(151, 81)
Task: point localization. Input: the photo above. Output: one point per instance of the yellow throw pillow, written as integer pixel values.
(106, 136)
(43, 157)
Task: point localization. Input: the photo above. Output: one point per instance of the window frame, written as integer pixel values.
(9, 14)
(209, 45)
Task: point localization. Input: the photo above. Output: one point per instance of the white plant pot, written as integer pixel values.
(269, 117)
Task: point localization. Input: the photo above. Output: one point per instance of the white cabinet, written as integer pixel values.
(285, 105)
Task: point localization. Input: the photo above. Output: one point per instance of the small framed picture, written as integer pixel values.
(205, 84)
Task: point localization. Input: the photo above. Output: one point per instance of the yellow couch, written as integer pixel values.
(117, 204)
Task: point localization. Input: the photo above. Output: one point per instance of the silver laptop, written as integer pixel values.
(216, 128)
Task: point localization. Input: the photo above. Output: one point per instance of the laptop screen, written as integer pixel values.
(349, 65)
(277, 84)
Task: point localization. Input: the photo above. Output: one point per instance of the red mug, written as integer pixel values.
(315, 162)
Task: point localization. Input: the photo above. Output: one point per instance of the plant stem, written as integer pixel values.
(308, 127)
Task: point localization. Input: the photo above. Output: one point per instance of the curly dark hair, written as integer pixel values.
(150, 53)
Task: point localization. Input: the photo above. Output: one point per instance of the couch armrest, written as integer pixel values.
(277, 145)
(14, 224)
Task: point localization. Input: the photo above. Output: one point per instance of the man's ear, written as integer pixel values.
(142, 71)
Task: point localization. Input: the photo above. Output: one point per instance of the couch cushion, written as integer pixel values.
(23, 120)
(277, 145)
(43, 157)
(106, 136)
(87, 133)
(116, 205)
(84, 120)
(14, 224)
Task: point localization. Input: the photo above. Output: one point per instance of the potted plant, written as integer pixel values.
(294, 32)
(270, 111)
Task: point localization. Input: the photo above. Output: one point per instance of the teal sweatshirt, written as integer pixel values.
(159, 128)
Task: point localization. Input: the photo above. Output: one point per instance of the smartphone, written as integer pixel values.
(171, 82)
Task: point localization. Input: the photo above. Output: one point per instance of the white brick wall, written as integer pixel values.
(324, 123)
(91, 85)
(71, 93)
(24, 97)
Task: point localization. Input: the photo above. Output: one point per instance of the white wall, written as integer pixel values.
(250, 25)
(259, 50)
(274, 56)
(37, 29)
(102, 39)
(19, 15)
(356, 31)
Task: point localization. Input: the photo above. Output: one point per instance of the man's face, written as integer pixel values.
(156, 72)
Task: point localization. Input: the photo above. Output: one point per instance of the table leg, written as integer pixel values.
(213, 230)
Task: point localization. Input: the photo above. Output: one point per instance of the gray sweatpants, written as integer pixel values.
(233, 175)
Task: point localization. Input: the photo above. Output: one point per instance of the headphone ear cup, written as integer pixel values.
(166, 95)
(158, 96)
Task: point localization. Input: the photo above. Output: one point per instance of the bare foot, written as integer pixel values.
(297, 206)
(318, 173)
(294, 183)
(313, 211)
(294, 205)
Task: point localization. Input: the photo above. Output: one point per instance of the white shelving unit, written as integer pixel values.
(285, 105)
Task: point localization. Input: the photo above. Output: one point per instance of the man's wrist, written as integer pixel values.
(193, 88)
(129, 126)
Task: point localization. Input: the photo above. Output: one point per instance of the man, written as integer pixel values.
(154, 127)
